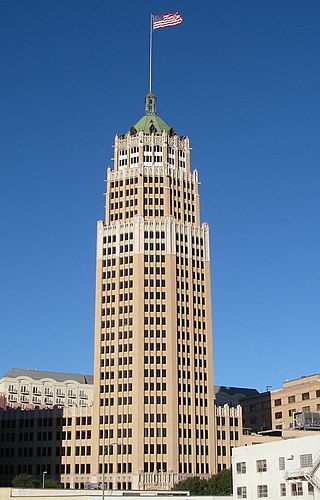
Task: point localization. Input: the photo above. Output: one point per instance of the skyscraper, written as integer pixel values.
(153, 387)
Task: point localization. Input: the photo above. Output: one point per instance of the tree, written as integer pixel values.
(23, 481)
(51, 484)
(220, 484)
(195, 485)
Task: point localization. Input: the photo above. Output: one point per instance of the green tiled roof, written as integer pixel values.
(150, 122)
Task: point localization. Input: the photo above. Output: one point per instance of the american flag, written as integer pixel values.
(165, 20)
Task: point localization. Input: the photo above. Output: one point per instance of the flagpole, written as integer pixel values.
(150, 54)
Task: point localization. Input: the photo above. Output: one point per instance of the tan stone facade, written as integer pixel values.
(153, 355)
(228, 433)
(275, 409)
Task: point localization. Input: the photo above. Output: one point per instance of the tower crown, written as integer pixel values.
(150, 123)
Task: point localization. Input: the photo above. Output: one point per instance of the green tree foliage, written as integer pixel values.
(24, 481)
(220, 484)
(195, 485)
(50, 483)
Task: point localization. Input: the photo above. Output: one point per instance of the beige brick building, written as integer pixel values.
(153, 392)
(275, 409)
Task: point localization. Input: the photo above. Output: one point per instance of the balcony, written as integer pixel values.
(295, 474)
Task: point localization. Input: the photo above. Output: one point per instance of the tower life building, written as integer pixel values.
(153, 382)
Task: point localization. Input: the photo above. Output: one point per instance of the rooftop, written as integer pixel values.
(57, 376)
(150, 121)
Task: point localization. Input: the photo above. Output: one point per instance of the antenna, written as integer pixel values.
(150, 54)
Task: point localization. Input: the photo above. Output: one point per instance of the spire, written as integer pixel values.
(150, 104)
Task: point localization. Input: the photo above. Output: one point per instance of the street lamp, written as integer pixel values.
(103, 467)
(105, 449)
(43, 477)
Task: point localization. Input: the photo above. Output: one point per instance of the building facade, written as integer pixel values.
(56, 442)
(42, 437)
(275, 409)
(229, 433)
(153, 387)
(35, 388)
(289, 467)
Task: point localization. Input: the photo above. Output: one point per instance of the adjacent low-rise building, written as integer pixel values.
(36, 388)
(289, 467)
(276, 409)
(56, 442)
(232, 395)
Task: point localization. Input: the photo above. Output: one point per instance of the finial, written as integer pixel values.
(150, 104)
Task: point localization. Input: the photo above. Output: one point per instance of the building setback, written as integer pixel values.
(153, 388)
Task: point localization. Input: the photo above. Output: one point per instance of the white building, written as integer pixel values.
(30, 388)
(290, 467)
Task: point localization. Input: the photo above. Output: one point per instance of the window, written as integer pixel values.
(147, 154)
(261, 466)
(241, 468)
(306, 460)
(291, 399)
(122, 157)
(277, 402)
(134, 155)
(283, 490)
(281, 463)
(278, 414)
(310, 489)
(296, 489)
(305, 396)
(262, 491)
(241, 492)
(318, 393)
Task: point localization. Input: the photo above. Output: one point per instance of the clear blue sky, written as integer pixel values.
(241, 78)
